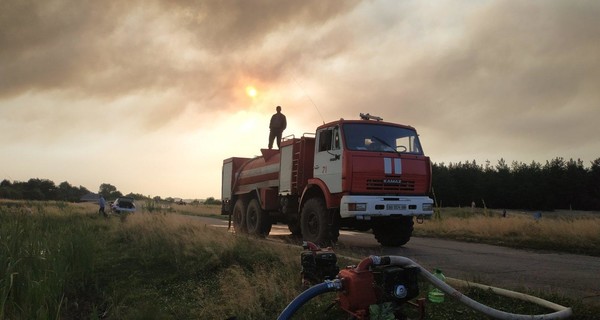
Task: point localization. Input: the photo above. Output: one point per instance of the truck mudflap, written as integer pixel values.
(366, 207)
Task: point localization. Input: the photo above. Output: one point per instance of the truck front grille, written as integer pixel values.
(379, 185)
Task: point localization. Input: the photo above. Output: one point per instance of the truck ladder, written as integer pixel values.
(296, 167)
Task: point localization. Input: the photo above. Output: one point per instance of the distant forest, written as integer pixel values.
(41, 189)
(44, 189)
(557, 184)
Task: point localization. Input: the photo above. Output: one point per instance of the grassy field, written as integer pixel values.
(64, 261)
(561, 231)
(564, 231)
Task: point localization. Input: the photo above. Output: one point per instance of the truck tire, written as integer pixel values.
(239, 216)
(316, 224)
(258, 221)
(393, 232)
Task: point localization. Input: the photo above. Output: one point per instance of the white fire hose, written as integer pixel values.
(561, 311)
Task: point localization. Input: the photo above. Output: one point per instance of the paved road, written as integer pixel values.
(566, 274)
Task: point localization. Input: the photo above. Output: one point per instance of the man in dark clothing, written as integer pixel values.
(277, 125)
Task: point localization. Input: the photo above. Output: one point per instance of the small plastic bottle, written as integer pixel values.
(436, 295)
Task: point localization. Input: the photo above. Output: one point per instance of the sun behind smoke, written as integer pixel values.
(251, 91)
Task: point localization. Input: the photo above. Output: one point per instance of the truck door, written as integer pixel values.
(328, 158)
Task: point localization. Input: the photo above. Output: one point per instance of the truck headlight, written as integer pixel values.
(428, 207)
(357, 207)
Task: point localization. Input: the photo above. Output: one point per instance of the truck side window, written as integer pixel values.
(336, 138)
(325, 140)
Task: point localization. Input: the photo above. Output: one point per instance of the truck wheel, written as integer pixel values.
(239, 216)
(316, 225)
(393, 232)
(258, 221)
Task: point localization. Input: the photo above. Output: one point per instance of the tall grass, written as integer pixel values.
(575, 233)
(67, 262)
(199, 210)
(41, 255)
(192, 271)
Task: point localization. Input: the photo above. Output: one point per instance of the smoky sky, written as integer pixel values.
(479, 80)
(118, 47)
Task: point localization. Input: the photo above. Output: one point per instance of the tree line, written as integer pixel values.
(557, 184)
(44, 189)
(41, 189)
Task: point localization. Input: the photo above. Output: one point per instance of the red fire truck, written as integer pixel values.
(351, 174)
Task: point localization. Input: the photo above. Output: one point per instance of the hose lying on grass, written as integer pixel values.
(561, 311)
(514, 295)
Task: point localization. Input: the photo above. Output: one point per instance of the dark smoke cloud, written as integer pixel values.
(520, 78)
(92, 48)
(106, 51)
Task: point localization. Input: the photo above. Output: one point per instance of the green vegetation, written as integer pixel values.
(41, 189)
(46, 190)
(452, 309)
(70, 263)
(557, 184)
(573, 232)
(43, 258)
(63, 261)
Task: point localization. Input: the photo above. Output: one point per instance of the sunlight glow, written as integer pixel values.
(251, 91)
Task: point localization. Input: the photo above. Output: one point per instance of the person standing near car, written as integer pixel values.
(277, 125)
(102, 204)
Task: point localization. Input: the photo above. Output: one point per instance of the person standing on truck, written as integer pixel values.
(277, 125)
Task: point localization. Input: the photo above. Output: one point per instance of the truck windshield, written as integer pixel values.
(381, 138)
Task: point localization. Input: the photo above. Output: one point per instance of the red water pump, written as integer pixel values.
(370, 283)
(374, 281)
